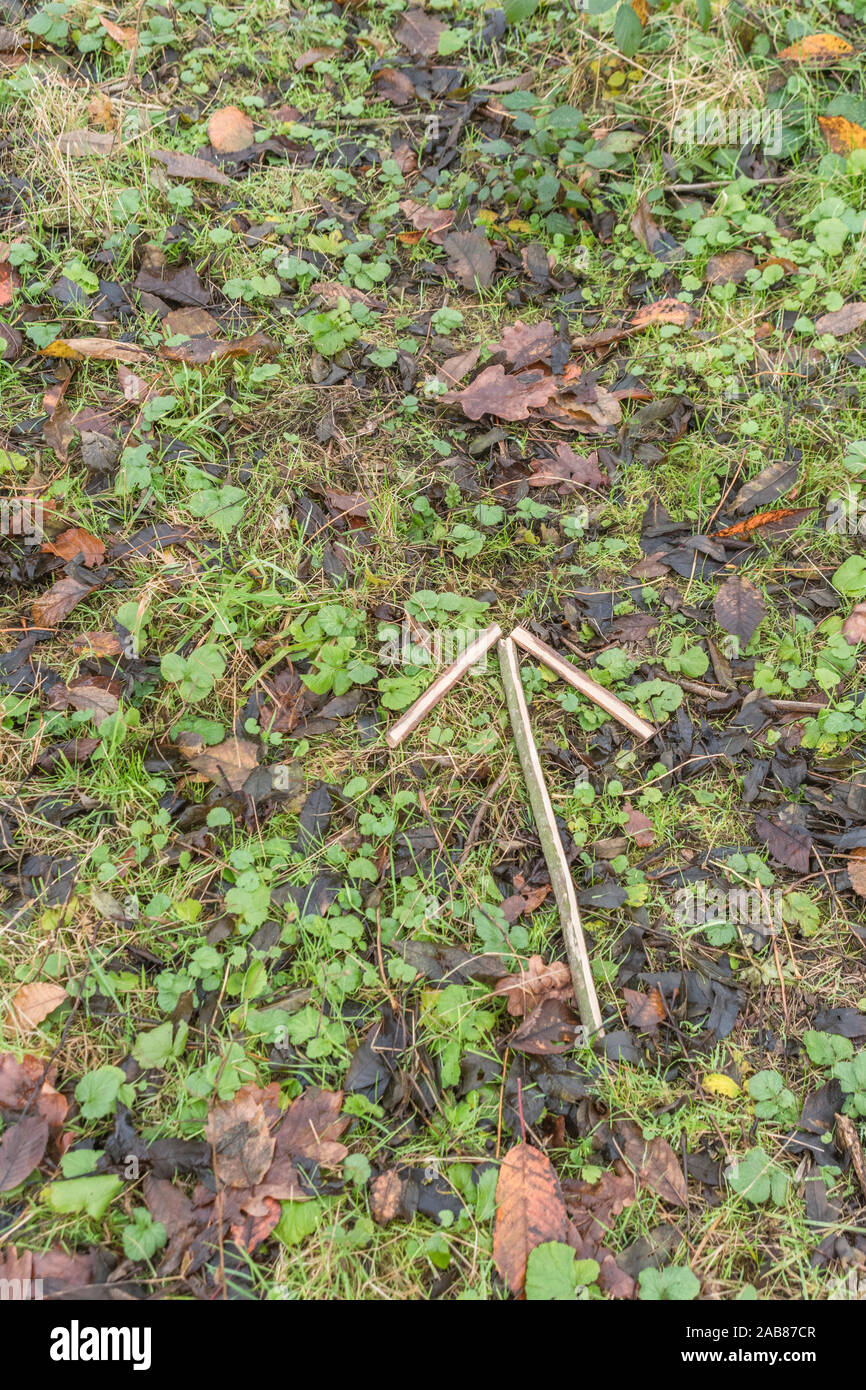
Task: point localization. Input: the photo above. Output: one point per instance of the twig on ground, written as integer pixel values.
(442, 684)
(551, 844)
(584, 684)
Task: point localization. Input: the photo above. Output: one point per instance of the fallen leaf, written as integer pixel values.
(654, 1162)
(525, 344)
(730, 268)
(842, 135)
(738, 607)
(243, 1146)
(471, 259)
(310, 56)
(11, 343)
(312, 1126)
(527, 988)
(816, 48)
(199, 351)
(848, 1141)
(789, 844)
(18, 1082)
(77, 541)
(856, 867)
(530, 1210)
(228, 763)
(506, 397)
(854, 626)
(134, 387)
(419, 33)
(193, 321)
(21, 1150)
(393, 85)
(186, 166)
(71, 750)
(88, 695)
(33, 1003)
(230, 129)
(665, 311)
(568, 471)
(552, 1028)
(644, 1011)
(94, 349)
(434, 221)
(762, 520)
(58, 601)
(657, 241)
(127, 38)
(9, 280)
(80, 143)
(639, 827)
(842, 321)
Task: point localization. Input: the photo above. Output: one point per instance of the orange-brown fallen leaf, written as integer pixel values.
(854, 626)
(842, 135)
(77, 541)
(527, 988)
(665, 311)
(759, 520)
(230, 129)
(58, 601)
(199, 351)
(127, 38)
(31, 1004)
(817, 48)
(530, 1210)
(95, 350)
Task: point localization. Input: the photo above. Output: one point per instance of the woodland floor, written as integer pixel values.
(329, 334)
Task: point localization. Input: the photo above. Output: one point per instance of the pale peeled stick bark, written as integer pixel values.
(443, 683)
(551, 844)
(584, 684)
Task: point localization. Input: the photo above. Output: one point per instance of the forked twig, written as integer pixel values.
(551, 844)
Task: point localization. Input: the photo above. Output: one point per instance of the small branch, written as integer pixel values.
(551, 844)
(442, 684)
(584, 684)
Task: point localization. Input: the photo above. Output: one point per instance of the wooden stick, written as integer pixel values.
(551, 844)
(442, 684)
(583, 683)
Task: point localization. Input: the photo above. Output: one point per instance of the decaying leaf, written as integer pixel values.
(18, 1082)
(228, 763)
(230, 129)
(842, 135)
(127, 38)
(854, 626)
(94, 350)
(738, 607)
(526, 989)
(471, 259)
(654, 1162)
(419, 33)
(530, 1209)
(666, 311)
(187, 166)
(644, 1011)
(243, 1146)
(817, 48)
(32, 1003)
(58, 601)
(22, 1147)
(507, 397)
(856, 867)
(841, 321)
(76, 541)
(729, 268)
(197, 351)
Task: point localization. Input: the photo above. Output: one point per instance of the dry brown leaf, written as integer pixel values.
(229, 762)
(127, 38)
(527, 988)
(21, 1150)
(529, 1211)
(243, 1146)
(856, 867)
(230, 129)
(186, 166)
(471, 258)
(506, 397)
(854, 626)
(653, 1160)
(419, 33)
(18, 1082)
(90, 696)
(58, 601)
(526, 344)
(848, 1141)
(553, 1027)
(193, 321)
(434, 221)
(31, 1004)
(95, 350)
(842, 321)
(665, 311)
(568, 471)
(134, 388)
(730, 268)
(312, 1127)
(96, 644)
(842, 135)
(639, 827)
(77, 541)
(197, 352)
(393, 85)
(80, 143)
(644, 1011)
(817, 48)
(310, 56)
(761, 520)
(738, 607)
(9, 280)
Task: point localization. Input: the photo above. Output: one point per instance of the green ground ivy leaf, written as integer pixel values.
(757, 1178)
(675, 1283)
(196, 673)
(89, 1196)
(825, 1049)
(627, 30)
(850, 578)
(97, 1092)
(554, 1273)
(143, 1236)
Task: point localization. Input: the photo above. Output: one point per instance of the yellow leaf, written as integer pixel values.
(842, 135)
(641, 9)
(33, 1003)
(721, 1085)
(817, 48)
